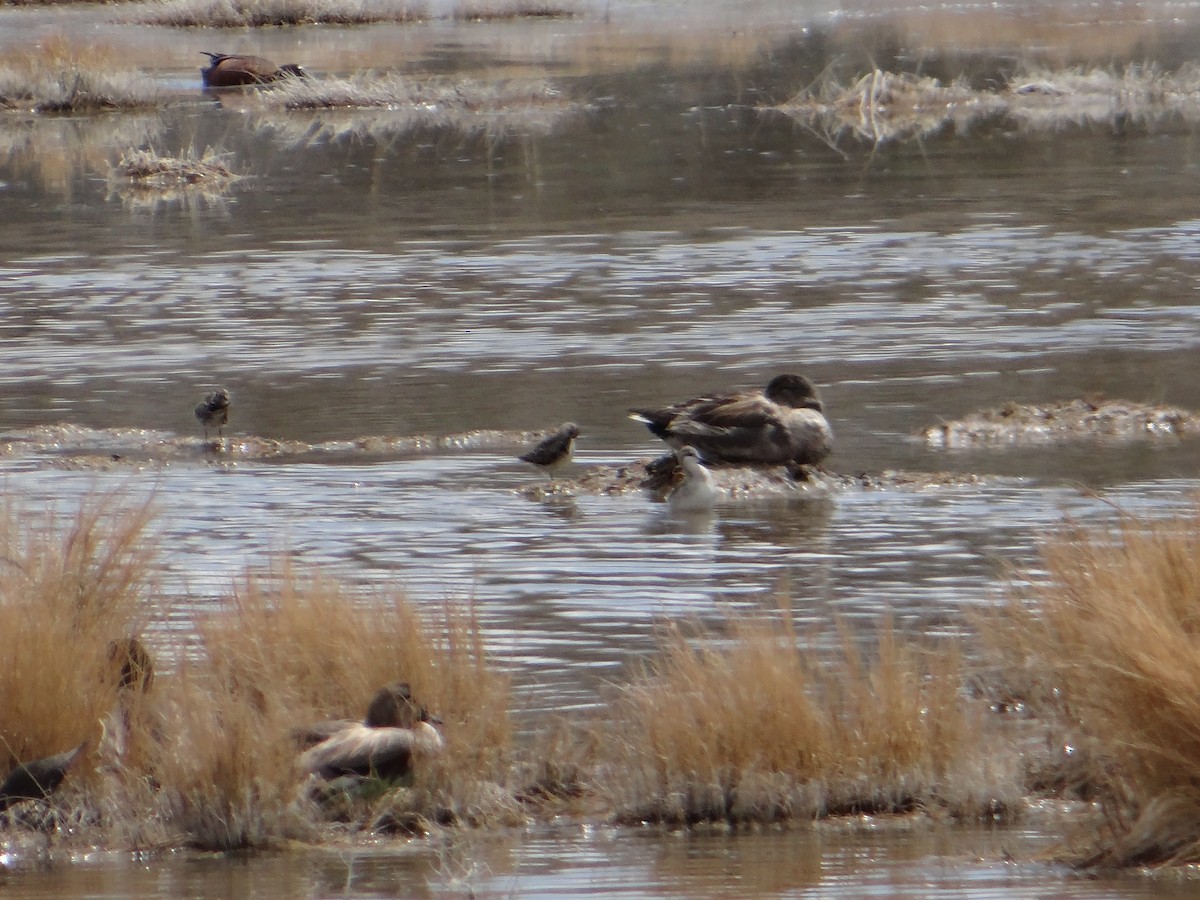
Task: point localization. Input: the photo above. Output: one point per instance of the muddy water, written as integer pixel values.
(372, 279)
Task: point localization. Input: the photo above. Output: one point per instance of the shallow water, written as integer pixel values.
(666, 239)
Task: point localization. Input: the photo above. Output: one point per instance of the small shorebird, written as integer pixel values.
(555, 451)
(696, 492)
(231, 71)
(213, 412)
(784, 423)
(397, 729)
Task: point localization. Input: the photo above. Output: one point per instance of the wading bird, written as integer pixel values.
(225, 70)
(696, 492)
(555, 451)
(213, 412)
(785, 423)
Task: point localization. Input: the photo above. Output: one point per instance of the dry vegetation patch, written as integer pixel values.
(884, 107)
(65, 76)
(1062, 420)
(205, 755)
(759, 730)
(146, 179)
(375, 105)
(259, 13)
(1110, 643)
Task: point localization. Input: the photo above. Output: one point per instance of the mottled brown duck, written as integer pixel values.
(784, 423)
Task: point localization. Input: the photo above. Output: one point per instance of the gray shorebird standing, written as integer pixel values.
(696, 493)
(213, 412)
(554, 451)
(784, 423)
(227, 70)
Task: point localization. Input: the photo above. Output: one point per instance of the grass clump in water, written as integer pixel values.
(880, 107)
(64, 76)
(375, 105)
(144, 178)
(761, 731)
(1110, 643)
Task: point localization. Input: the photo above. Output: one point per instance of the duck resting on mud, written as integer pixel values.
(227, 70)
(784, 423)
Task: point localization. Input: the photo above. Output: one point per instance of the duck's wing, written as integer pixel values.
(310, 735)
(381, 752)
(735, 413)
(663, 420)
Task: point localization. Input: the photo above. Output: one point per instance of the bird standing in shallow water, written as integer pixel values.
(38, 779)
(696, 493)
(784, 423)
(225, 70)
(213, 412)
(555, 451)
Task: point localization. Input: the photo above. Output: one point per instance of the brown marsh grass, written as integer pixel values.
(761, 731)
(387, 105)
(69, 586)
(260, 13)
(61, 75)
(145, 179)
(1109, 643)
(884, 107)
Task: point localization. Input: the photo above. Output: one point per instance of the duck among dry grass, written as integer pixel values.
(226, 70)
(397, 730)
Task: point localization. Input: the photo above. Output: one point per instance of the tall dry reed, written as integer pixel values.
(759, 730)
(1110, 642)
(70, 585)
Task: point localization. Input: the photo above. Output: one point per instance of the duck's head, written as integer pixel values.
(793, 390)
(393, 706)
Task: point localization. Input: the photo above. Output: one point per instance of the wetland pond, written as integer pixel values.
(668, 237)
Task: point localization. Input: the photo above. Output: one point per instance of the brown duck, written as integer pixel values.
(397, 729)
(783, 423)
(231, 71)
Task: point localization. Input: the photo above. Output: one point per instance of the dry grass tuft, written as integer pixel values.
(260, 13)
(69, 585)
(145, 179)
(387, 105)
(1111, 644)
(60, 75)
(760, 731)
(882, 107)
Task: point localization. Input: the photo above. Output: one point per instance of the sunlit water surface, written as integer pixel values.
(667, 239)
